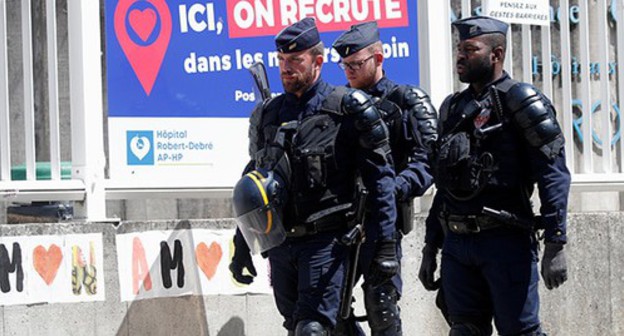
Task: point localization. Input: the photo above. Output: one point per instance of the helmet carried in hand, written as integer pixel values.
(259, 198)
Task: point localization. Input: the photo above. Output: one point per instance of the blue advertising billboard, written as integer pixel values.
(179, 92)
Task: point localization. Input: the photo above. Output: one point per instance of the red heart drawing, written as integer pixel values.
(47, 262)
(208, 258)
(143, 22)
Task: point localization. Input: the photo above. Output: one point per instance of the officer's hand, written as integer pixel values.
(428, 266)
(242, 260)
(554, 266)
(385, 263)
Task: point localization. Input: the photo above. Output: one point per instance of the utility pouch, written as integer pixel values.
(315, 168)
(314, 146)
(452, 160)
(454, 150)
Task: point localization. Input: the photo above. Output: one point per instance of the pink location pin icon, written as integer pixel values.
(143, 29)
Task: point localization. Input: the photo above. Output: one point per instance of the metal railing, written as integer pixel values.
(85, 92)
(573, 91)
(595, 154)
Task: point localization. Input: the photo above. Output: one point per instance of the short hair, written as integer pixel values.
(317, 49)
(374, 47)
(496, 40)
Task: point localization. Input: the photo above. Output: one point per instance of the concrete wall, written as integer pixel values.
(590, 303)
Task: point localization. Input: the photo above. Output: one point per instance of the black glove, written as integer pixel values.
(241, 260)
(554, 266)
(428, 266)
(385, 263)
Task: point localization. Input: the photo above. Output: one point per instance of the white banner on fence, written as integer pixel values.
(181, 262)
(533, 12)
(52, 269)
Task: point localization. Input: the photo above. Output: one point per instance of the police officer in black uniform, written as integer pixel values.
(498, 139)
(412, 122)
(330, 136)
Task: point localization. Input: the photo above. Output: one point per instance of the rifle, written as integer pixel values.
(261, 80)
(353, 239)
(510, 219)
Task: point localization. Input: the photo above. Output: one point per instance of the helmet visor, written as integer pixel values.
(262, 229)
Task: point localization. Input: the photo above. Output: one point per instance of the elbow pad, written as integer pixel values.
(535, 117)
(372, 131)
(421, 116)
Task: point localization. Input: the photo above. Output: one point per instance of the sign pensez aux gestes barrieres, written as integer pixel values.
(534, 12)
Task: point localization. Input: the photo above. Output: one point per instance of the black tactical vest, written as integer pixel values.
(319, 180)
(478, 148)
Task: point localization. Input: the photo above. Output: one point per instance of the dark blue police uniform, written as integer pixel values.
(337, 135)
(494, 147)
(411, 120)
(316, 262)
(413, 174)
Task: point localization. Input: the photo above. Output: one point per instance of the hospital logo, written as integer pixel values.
(140, 148)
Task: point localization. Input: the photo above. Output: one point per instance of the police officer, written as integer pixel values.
(498, 139)
(411, 120)
(333, 134)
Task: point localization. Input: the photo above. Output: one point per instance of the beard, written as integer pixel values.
(476, 72)
(301, 82)
(364, 80)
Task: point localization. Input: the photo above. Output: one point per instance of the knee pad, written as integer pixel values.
(310, 328)
(470, 329)
(382, 309)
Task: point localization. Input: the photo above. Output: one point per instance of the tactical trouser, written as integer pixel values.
(307, 274)
(441, 304)
(379, 314)
(491, 275)
(484, 328)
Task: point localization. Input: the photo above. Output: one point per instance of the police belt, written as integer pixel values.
(333, 222)
(465, 224)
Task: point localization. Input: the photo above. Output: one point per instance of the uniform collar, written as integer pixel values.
(383, 86)
(505, 76)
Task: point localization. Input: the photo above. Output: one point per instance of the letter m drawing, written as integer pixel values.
(11, 266)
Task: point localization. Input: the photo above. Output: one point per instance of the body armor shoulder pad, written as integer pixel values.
(520, 95)
(535, 117)
(257, 120)
(421, 115)
(367, 119)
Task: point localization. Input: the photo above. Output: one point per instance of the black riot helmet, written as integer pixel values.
(258, 199)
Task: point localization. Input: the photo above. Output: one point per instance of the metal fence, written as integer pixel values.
(575, 61)
(85, 103)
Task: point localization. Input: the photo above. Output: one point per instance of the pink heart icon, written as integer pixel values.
(143, 22)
